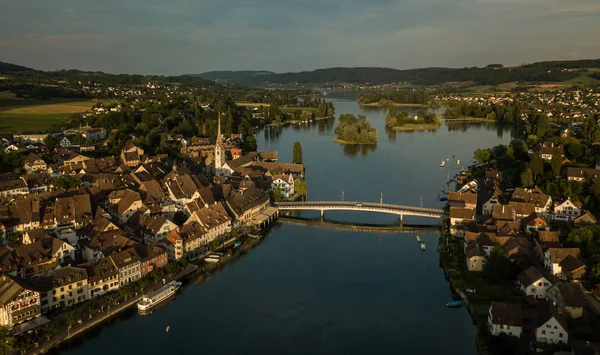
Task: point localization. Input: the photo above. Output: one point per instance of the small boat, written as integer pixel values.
(418, 239)
(458, 162)
(423, 246)
(167, 330)
(454, 304)
(443, 198)
(442, 164)
(237, 244)
(154, 298)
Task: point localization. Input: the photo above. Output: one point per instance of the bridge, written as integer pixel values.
(398, 210)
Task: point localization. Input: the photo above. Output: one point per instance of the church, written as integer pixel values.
(219, 160)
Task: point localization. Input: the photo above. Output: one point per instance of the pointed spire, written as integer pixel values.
(219, 139)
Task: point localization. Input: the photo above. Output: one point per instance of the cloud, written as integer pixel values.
(187, 36)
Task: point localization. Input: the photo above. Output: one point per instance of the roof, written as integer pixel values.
(212, 216)
(522, 208)
(125, 257)
(582, 172)
(58, 277)
(493, 174)
(32, 158)
(474, 250)
(547, 236)
(551, 150)
(462, 213)
(152, 224)
(559, 254)
(460, 197)
(535, 196)
(149, 252)
(269, 155)
(529, 276)
(504, 212)
(279, 168)
(531, 219)
(243, 201)
(246, 159)
(586, 218)
(507, 314)
(572, 295)
(100, 269)
(571, 263)
(11, 287)
(546, 311)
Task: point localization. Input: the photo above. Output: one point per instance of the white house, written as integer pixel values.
(554, 258)
(505, 318)
(532, 283)
(551, 325)
(65, 142)
(458, 216)
(285, 183)
(567, 210)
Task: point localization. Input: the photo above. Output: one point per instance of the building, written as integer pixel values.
(547, 151)
(462, 200)
(29, 137)
(555, 259)
(285, 183)
(152, 257)
(532, 283)
(173, 243)
(19, 301)
(459, 216)
(63, 287)
(124, 203)
(503, 213)
(13, 187)
(245, 205)
(567, 297)
(154, 228)
(129, 266)
(567, 210)
(475, 257)
(534, 223)
(103, 277)
(535, 196)
(551, 325)
(581, 174)
(214, 219)
(35, 163)
(505, 318)
(219, 160)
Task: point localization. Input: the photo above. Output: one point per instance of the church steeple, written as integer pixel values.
(219, 149)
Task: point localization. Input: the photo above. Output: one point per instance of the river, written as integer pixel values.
(307, 290)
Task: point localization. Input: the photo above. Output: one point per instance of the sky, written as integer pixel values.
(194, 36)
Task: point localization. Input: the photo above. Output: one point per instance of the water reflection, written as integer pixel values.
(352, 150)
(391, 134)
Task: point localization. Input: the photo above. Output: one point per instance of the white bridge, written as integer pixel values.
(361, 206)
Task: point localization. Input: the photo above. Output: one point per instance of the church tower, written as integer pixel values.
(219, 150)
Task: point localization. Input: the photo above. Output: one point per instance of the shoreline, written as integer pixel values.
(377, 104)
(408, 127)
(341, 141)
(468, 119)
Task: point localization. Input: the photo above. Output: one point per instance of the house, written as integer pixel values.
(545, 240)
(505, 318)
(19, 301)
(557, 259)
(581, 174)
(568, 297)
(503, 213)
(547, 151)
(152, 257)
(475, 257)
(35, 163)
(236, 153)
(13, 187)
(214, 219)
(522, 209)
(63, 287)
(26, 260)
(184, 188)
(194, 240)
(128, 264)
(72, 158)
(173, 243)
(65, 141)
(269, 156)
(532, 283)
(29, 137)
(533, 223)
(493, 176)
(462, 200)
(103, 277)
(245, 205)
(567, 210)
(153, 228)
(585, 219)
(537, 197)
(104, 244)
(551, 325)
(458, 216)
(131, 155)
(124, 203)
(285, 184)
(493, 200)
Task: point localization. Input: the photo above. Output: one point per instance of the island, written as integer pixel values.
(352, 130)
(401, 121)
(395, 98)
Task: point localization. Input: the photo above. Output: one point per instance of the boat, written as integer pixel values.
(454, 304)
(418, 239)
(154, 298)
(237, 244)
(211, 260)
(423, 246)
(442, 164)
(443, 198)
(458, 162)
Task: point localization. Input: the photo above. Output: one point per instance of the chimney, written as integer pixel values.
(502, 208)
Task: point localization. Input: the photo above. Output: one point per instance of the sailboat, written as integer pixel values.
(442, 164)
(458, 162)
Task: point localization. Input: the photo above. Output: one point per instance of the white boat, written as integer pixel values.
(458, 162)
(423, 246)
(211, 260)
(154, 298)
(442, 164)
(418, 239)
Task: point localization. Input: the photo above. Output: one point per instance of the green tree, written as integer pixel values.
(537, 165)
(582, 235)
(491, 116)
(51, 142)
(277, 196)
(297, 153)
(65, 183)
(7, 340)
(70, 319)
(482, 156)
(49, 330)
(556, 163)
(143, 283)
(300, 187)
(527, 178)
(498, 268)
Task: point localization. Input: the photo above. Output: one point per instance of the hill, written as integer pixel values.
(550, 71)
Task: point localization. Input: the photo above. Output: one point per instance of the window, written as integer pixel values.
(543, 332)
(555, 327)
(548, 326)
(560, 335)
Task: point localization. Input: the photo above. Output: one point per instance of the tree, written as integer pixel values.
(69, 319)
(580, 236)
(300, 187)
(179, 218)
(556, 163)
(527, 178)
(7, 340)
(306, 116)
(277, 196)
(482, 156)
(491, 116)
(51, 142)
(297, 153)
(65, 183)
(143, 283)
(49, 330)
(537, 165)
(498, 268)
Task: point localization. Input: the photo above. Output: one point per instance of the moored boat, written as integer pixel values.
(154, 298)
(423, 246)
(454, 304)
(418, 239)
(442, 164)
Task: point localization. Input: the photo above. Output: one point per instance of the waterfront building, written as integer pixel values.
(103, 277)
(19, 301)
(214, 219)
(564, 261)
(551, 325)
(285, 183)
(173, 243)
(462, 200)
(505, 318)
(63, 287)
(128, 264)
(567, 297)
(475, 257)
(532, 283)
(152, 257)
(245, 205)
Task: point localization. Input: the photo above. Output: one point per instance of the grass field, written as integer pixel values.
(292, 109)
(251, 104)
(36, 115)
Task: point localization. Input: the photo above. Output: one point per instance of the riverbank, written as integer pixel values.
(299, 122)
(468, 119)
(377, 104)
(407, 127)
(341, 141)
(363, 227)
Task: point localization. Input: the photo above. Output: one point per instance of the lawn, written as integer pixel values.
(292, 109)
(251, 104)
(36, 115)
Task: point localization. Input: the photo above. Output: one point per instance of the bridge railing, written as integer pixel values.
(359, 204)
